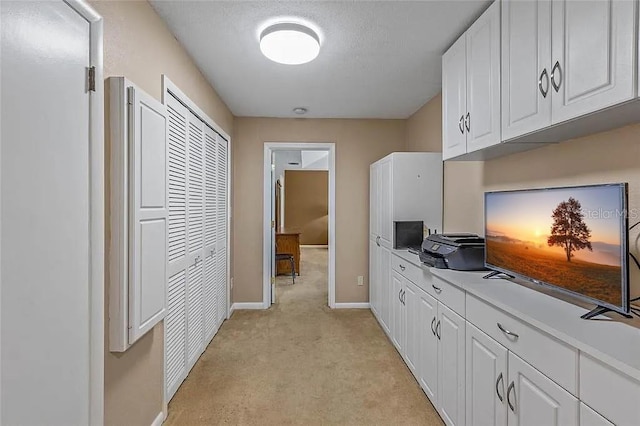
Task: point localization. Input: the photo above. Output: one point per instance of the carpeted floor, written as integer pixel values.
(301, 363)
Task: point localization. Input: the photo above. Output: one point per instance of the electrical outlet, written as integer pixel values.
(360, 280)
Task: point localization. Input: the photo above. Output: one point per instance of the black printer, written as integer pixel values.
(462, 252)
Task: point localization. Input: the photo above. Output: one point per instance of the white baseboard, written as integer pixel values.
(158, 420)
(364, 305)
(246, 305)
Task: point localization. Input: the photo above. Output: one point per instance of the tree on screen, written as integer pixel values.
(569, 230)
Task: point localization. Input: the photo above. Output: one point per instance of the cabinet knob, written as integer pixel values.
(402, 267)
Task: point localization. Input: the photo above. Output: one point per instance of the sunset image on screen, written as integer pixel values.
(568, 237)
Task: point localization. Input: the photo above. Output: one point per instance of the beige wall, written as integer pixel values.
(605, 157)
(358, 144)
(138, 45)
(306, 204)
(424, 127)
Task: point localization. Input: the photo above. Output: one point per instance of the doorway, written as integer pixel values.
(270, 215)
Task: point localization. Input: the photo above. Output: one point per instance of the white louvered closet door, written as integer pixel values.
(195, 234)
(221, 230)
(210, 234)
(176, 321)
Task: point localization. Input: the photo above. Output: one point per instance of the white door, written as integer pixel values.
(195, 241)
(387, 298)
(526, 67)
(593, 56)
(535, 400)
(210, 235)
(396, 310)
(411, 301)
(428, 345)
(486, 379)
(385, 219)
(482, 120)
(222, 232)
(176, 321)
(148, 212)
(451, 366)
(454, 100)
(46, 209)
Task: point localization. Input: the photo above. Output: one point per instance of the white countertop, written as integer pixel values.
(613, 340)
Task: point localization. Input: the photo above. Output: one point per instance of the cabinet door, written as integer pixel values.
(535, 400)
(385, 204)
(526, 67)
(397, 311)
(486, 379)
(387, 298)
(482, 120)
(593, 56)
(411, 326)
(374, 203)
(454, 100)
(428, 345)
(451, 366)
(374, 284)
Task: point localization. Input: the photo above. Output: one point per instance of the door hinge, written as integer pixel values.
(91, 75)
(273, 280)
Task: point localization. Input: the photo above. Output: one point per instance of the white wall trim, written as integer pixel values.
(360, 305)
(269, 147)
(246, 305)
(97, 214)
(158, 420)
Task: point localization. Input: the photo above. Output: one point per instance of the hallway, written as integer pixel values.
(301, 363)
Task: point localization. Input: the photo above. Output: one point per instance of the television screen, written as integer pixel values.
(573, 238)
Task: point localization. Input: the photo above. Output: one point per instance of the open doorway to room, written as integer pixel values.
(299, 222)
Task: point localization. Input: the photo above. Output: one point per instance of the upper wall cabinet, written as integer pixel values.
(563, 59)
(471, 87)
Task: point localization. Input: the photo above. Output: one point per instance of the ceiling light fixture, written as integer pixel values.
(300, 110)
(289, 43)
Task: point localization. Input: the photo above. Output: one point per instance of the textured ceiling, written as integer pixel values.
(379, 59)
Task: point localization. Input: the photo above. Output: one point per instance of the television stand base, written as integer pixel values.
(494, 273)
(598, 310)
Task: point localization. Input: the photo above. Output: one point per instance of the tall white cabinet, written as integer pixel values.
(403, 187)
(197, 239)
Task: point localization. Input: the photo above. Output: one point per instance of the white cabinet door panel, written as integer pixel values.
(386, 288)
(412, 327)
(486, 379)
(482, 120)
(451, 366)
(374, 284)
(593, 55)
(428, 345)
(536, 400)
(588, 417)
(396, 311)
(526, 68)
(454, 102)
(385, 206)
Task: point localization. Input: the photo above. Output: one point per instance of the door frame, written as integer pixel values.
(96, 214)
(269, 148)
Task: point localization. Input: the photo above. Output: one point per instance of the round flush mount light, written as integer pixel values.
(300, 110)
(289, 43)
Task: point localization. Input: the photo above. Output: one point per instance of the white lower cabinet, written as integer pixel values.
(398, 314)
(428, 344)
(588, 417)
(450, 331)
(503, 389)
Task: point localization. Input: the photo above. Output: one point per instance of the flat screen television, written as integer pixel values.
(574, 239)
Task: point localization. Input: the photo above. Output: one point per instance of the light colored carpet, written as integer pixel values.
(301, 363)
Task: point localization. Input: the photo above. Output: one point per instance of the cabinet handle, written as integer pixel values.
(553, 79)
(512, 387)
(543, 91)
(402, 267)
(467, 122)
(505, 331)
(437, 289)
(500, 379)
(378, 240)
(400, 295)
(433, 330)
(404, 293)
(461, 124)
(438, 330)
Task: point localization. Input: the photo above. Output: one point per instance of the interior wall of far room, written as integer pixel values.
(358, 144)
(607, 157)
(307, 205)
(139, 46)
